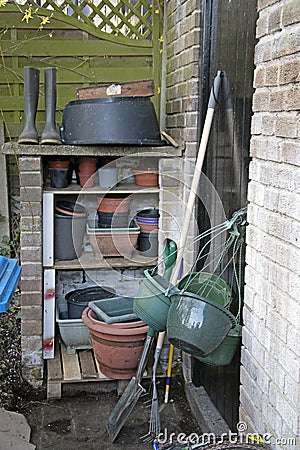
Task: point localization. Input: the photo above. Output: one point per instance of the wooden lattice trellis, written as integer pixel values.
(128, 18)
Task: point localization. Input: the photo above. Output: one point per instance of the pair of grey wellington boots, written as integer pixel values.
(29, 134)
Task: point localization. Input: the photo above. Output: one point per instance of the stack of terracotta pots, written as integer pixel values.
(113, 211)
(87, 168)
(148, 239)
(118, 347)
(59, 172)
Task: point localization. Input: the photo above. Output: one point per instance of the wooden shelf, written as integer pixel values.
(122, 189)
(87, 261)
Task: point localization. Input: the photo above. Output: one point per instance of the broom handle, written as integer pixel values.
(191, 200)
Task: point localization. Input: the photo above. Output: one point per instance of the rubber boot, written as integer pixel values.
(29, 134)
(50, 134)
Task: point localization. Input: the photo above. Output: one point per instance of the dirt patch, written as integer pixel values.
(67, 423)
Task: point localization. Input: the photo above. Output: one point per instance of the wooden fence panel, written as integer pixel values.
(83, 53)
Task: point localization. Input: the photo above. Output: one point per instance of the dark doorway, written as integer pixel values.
(228, 45)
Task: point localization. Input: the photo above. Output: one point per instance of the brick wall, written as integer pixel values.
(270, 373)
(31, 276)
(183, 46)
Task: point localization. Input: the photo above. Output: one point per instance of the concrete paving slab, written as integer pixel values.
(14, 423)
(14, 431)
(8, 442)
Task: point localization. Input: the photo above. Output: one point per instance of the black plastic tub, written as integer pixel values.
(112, 220)
(68, 235)
(79, 299)
(117, 120)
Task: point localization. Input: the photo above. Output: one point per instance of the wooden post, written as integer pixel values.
(4, 205)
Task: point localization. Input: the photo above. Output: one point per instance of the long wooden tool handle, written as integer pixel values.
(197, 173)
(196, 178)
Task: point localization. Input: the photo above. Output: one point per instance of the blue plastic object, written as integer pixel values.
(9, 276)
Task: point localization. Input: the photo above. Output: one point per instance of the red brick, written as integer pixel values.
(31, 270)
(31, 313)
(29, 239)
(31, 254)
(31, 328)
(32, 284)
(30, 163)
(31, 179)
(31, 298)
(33, 194)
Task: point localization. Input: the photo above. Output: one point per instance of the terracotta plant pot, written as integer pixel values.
(87, 168)
(68, 208)
(112, 204)
(117, 346)
(146, 177)
(148, 219)
(58, 164)
(147, 227)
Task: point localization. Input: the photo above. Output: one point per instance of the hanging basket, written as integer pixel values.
(224, 354)
(152, 301)
(196, 324)
(207, 285)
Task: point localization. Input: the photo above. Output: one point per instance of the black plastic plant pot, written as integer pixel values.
(118, 120)
(79, 299)
(112, 220)
(150, 213)
(69, 234)
(59, 178)
(148, 244)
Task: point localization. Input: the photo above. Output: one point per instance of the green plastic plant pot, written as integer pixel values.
(196, 324)
(207, 285)
(152, 301)
(224, 354)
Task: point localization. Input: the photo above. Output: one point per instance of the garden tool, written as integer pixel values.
(170, 253)
(134, 388)
(29, 134)
(169, 371)
(50, 134)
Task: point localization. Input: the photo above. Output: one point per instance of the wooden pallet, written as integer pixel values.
(64, 368)
(83, 367)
